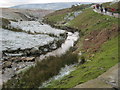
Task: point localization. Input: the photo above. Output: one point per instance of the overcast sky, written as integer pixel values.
(9, 3)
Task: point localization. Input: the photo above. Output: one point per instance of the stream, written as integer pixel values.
(63, 72)
(69, 42)
(17, 67)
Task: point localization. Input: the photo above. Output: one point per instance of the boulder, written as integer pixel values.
(53, 46)
(28, 59)
(45, 49)
(7, 64)
(34, 50)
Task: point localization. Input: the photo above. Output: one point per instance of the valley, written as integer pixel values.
(66, 48)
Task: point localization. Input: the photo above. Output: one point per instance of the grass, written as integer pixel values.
(102, 61)
(4, 22)
(58, 16)
(89, 21)
(42, 71)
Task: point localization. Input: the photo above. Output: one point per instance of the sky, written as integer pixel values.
(9, 3)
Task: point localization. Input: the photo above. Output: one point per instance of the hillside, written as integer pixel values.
(50, 6)
(23, 14)
(96, 51)
(98, 33)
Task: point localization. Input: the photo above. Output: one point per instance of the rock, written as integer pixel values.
(82, 60)
(70, 76)
(34, 50)
(4, 59)
(27, 52)
(53, 46)
(45, 49)
(112, 81)
(86, 39)
(80, 53)
(71, 18)
(77, 13)
(28, 59)
(7, 64)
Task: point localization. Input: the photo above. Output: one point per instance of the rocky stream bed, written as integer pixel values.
(21, 50)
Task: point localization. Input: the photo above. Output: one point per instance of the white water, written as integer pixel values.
(63, 72)
(69, 42)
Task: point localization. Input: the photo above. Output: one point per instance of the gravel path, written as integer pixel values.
(108, 13)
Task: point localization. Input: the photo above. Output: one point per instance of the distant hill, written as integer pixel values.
(53, 6)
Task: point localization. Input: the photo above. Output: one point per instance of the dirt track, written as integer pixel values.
(108, 13)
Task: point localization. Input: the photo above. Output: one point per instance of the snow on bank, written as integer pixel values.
(14, 40)
(36, 27)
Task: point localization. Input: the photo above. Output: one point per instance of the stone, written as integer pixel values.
(7, 64)
(86, 39)
(29, 59)
(80, 53)
(34, 50)
(53, 46)
(45, 49)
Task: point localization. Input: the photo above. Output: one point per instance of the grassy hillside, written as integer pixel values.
(102, 61)
(98, 43)
(58, 16)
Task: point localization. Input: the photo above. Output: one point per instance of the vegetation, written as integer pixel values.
(80, 7)
(95, 66)
(58, 16)
(90, 22)
(42, 71)
(100, 36)
(4, 22)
